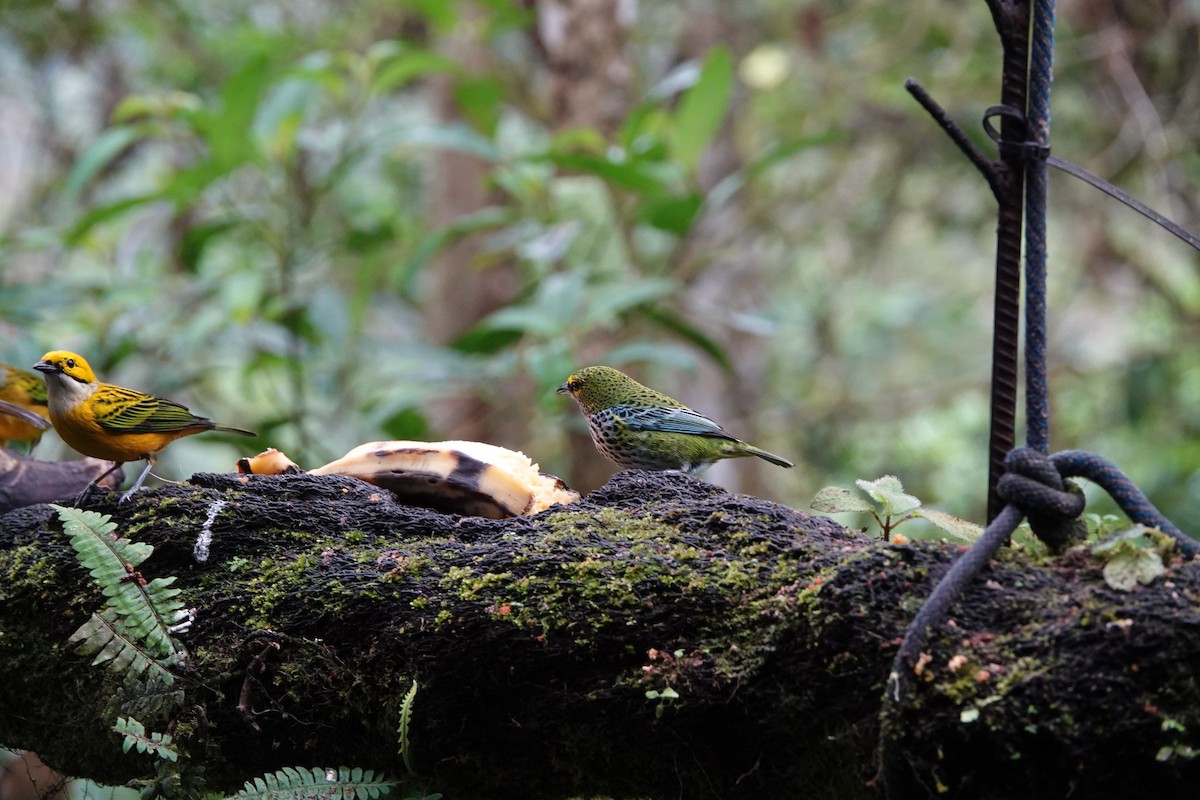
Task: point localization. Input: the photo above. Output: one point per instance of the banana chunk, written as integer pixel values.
(268, 462)
(457, 477)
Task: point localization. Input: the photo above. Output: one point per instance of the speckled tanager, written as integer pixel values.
(639, 428)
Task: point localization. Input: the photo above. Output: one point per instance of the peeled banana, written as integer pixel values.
(469, 478)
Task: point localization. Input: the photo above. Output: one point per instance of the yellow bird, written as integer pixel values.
(112, 422)
(25, 390)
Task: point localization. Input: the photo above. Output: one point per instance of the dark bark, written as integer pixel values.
(25, 481)
(535, 639)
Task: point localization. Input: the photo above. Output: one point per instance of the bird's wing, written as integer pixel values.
(21, 387)
(33, 386)
(126, 411)
(669, 420)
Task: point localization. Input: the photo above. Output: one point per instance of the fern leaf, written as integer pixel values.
(299, 783)
(153, 612)
(151, 694)
(148, 612)
(100, 550)
(106, 636)
(406, 709)
(157, 744)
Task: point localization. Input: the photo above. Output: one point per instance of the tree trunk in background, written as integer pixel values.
(728, 282)
(585, 47)
(462, 294)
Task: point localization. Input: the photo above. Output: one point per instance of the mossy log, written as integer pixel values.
(535, 640)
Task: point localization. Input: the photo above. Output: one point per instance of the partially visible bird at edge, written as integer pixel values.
(111, 422)
(640, 428)
(25, 390)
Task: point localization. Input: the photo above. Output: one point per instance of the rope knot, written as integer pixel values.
(1053, 504)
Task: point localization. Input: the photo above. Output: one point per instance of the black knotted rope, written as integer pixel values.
(1131, 500)
(1034, 485)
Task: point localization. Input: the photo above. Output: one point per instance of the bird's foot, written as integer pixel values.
(138, 483)
(82, 498)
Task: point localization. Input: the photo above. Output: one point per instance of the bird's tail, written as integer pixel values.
(230, 429)
(779, 461)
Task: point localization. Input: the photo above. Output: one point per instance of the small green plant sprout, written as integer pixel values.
(890, 506)
(664, 697)
(157, 744)
(1101, 527)
(1173, 752)
(1134, 557)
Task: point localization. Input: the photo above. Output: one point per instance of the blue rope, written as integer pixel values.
(1037, 392)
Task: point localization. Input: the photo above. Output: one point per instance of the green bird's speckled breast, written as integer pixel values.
(634, 446)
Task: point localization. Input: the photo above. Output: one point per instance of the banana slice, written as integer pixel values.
(268, 462)
(470, 478)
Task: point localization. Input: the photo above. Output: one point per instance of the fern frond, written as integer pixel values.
(149, 695)
(317, 784)
(147, 612)
(102, 552)
(157, 744)
(107, 636)
(406, 709)
(151, 611)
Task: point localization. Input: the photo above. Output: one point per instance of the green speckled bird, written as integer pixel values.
(640, 428)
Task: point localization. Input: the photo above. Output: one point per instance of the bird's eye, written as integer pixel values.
(70, 363)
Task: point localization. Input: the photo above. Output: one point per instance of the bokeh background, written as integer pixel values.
(339, 222)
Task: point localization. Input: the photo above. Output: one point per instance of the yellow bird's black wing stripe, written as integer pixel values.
(34, 387)
(22, 387)
(126, 411)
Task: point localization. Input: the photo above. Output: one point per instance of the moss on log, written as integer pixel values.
(535, 641)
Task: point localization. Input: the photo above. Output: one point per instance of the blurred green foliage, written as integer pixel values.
(229, 205)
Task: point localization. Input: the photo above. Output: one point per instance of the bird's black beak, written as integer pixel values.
(47, 367)
(562, 390)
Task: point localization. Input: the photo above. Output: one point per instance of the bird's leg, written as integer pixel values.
(82, 497)
(138, 483)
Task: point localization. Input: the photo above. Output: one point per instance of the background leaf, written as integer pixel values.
(702, 109)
